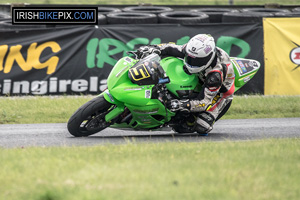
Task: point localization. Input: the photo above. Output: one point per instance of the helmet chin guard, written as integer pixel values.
(201, 51)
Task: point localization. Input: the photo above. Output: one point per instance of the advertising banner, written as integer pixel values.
(282, 56)
(78, 60)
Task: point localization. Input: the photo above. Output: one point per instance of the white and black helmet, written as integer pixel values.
(200, 53)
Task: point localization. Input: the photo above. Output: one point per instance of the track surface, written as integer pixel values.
(24, 135)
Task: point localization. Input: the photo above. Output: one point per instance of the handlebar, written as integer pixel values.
(134, 53)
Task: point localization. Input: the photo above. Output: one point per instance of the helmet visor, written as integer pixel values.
(194, 62)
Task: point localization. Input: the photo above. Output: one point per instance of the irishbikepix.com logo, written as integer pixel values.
(55, 15)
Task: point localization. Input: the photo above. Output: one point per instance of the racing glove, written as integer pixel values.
(144, 51)
(179, 105)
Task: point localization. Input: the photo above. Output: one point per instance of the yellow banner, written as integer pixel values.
(282, 56)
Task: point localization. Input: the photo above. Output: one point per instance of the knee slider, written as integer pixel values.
(204, 122)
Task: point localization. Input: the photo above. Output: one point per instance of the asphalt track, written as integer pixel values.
(45, 135)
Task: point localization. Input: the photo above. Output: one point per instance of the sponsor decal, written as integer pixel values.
(128, 60)
(245, 66)
(246, 79)
(241, 64)
(109, 95)
(135, 88)
(200, 105)
(186, 86)
(121, 71)
(164, 80)
(155, 110)
(207, 49)
(295, 56)
(147, 94)
(230, 75)
(215, 99)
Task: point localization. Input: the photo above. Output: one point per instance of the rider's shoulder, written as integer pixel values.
(222, 52)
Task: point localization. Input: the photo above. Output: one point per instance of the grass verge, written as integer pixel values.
(264, 169)
(23, 110)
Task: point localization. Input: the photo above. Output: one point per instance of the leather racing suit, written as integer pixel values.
(218, 87)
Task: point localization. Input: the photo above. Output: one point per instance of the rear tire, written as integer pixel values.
(89, 118)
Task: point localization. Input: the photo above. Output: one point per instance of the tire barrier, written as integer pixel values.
(147, 9)
(296, 9)
(7, 25)
(264, 10)
(182, 17)
(4, 15)
(256, 14)
(103, 11)
(291, 14)
(162, 14)
(215, 14)
(131, 18)
(101, 19)
(8, 20)
(108, 10)
(245, 17)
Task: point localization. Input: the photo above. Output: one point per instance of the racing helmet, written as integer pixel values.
(200, 53)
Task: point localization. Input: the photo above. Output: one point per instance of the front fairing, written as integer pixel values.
(118, 74)
(135, 94)
(123, 89)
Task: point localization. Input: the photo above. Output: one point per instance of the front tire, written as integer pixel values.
(89, 118)
(180, 129)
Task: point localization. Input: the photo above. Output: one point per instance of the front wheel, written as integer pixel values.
(89, 118)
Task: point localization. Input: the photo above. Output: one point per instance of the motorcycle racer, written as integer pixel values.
(216, 74)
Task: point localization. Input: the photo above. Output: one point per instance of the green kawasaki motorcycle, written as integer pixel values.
(137, 93)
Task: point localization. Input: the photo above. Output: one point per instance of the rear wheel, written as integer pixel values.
(89, 118)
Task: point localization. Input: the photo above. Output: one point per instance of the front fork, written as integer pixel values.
(117, 110)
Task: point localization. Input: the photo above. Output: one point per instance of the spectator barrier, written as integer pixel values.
(74, 60)
(282, 56)
(46, 60)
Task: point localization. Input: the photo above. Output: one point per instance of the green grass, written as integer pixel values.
(256, 106)
(260, 170)
(24, 110)
(39, 109)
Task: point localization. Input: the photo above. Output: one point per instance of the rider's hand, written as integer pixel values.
(144, 51)
(179, 105)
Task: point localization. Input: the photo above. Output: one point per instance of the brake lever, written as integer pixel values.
(134, 53)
